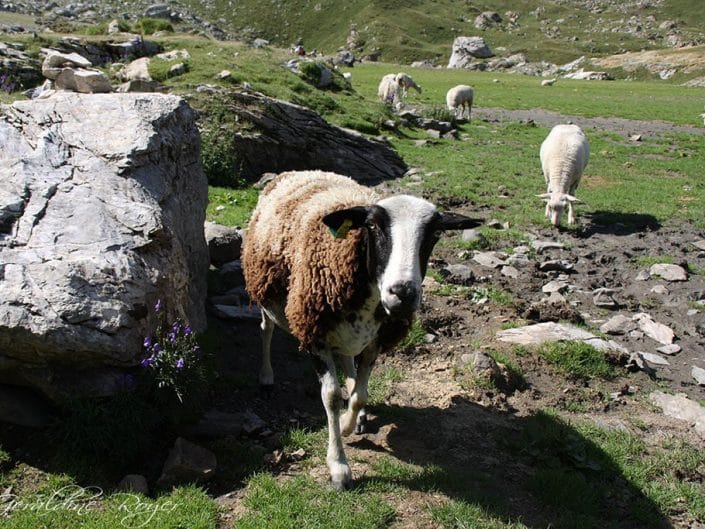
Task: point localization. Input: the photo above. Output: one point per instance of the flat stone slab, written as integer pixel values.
(669, 272)
(679, 406)
(654, 330)
(555, 332)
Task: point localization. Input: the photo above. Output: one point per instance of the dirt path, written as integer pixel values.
(547, 118)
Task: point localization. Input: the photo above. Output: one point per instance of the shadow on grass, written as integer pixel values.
(617, 223)
(538, 470)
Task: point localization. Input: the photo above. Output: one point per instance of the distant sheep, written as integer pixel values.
(548, 82)
(460, 97)
(339, 267)
(389, 90)
(405, 83)
(564, 155)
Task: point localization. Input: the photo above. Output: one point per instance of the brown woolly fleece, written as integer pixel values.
(291, 258)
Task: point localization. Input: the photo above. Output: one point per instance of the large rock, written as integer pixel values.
(465, 49)
(102, 205)
(286, 137)
(83, 81)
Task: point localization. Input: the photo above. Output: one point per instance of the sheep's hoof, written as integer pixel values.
(341, 485)
(361, 426)
(267, 390)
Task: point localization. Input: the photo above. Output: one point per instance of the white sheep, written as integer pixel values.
(460, 97)
(406, 82)
(564, 155)
(548, 82)
(340, 268)
(389, 90)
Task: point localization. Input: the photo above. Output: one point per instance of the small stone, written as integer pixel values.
(643, 275)
(692, 312)
(670, 349)
(541, 246)
(602, 297)
(187, 463)
(618, 324)
(459, 274)
(298, 455)
(669, 272)
(699, 244)
(554, 286)
(225, 74)
(661, 290)
(657, 331)
(635, 137)
(488, 259)
(679, 406)
(471, 235)
(510, 271)
(556, 265)
(430, 338)
(252, 423)
(698, 374)
(654, 359)
(134, 483)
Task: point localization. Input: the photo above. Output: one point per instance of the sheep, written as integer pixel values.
(389, 90)
(340, 268)
(460, 97)
(405, 82)
(548, 82)
(564, 155)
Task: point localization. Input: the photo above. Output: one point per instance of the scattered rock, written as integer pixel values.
(555, 286)
(83, 81)
(698, 374)
(604, 298)
(699, 244)
(654, 359)
(542, 246)
(553, 308)
(556, 265)
(459, 274)
(134, 483)
(187, 463)
(618, 324)
(643, 275)
(488, 259)
(679, 406)
(670, 349)
(554, 332)
(510, 271)
(465, 49)
(669, 272)
(657, 331)
(224, 243)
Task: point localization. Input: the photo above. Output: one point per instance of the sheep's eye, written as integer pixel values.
(437, 234)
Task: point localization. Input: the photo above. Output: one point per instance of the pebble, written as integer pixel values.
(554, 286)
(698, 374)
(618, 324)
(541, 246)
(643, 275)
(510, 271)
(660, 289)
(670, 349)
(700, 244)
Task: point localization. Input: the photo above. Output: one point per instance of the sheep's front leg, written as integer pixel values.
(266, 374)
(340, 474)
(355, 417)
(571, 215)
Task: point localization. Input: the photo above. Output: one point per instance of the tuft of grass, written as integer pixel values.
(302, 503)
(149, 26)
(496, 295)
(308, 440)
(458, 514)
(649, 260)
(380, 384)
(415, 337)
(576, 358)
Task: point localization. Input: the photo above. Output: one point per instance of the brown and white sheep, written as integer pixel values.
(406, 82)
(564, 155)
(340, 268)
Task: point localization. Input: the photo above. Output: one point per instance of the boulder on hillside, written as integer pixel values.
(102, 205)
(286, 137)
(465, 49)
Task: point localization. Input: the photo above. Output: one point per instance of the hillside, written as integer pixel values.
(556, 31)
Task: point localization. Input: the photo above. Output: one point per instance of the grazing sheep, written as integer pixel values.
(460, 97)
(405, 82)
(340, 268)
(548, 82)
(389, 90)
(564, 155)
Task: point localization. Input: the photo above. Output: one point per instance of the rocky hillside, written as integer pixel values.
(557, 31)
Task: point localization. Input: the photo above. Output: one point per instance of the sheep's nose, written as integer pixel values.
(404, 295)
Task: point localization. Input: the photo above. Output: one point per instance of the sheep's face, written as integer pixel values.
(401, 233)
(556, 203)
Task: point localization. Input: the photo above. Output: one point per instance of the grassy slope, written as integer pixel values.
(421, 29)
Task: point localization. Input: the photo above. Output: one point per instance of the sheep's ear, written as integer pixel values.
(341, 221)
(456, 221)
(544, 196)
(571, 198)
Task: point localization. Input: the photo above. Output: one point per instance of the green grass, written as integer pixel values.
(415, 337)
(302, 503)
(646, 261)
(381, 382)
(576, 358)
(231, 207)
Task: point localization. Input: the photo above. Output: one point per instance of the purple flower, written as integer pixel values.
(148, 361)
(187, 330)
(180, 363)
(158, 305)
(147, 342)
(176, 327)
(157, 348)
(172, 337)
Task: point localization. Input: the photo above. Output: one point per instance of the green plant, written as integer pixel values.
(174, 357)
(648, 260)
(148, 26)
(576, 358)
(416, 336)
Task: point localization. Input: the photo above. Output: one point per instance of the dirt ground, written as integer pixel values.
(433, 416)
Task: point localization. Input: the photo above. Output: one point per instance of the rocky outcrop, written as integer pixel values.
(102, 205)
(284, 137)
(465, 49)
